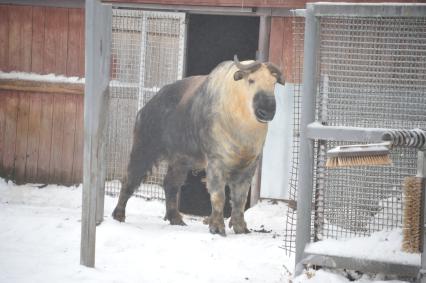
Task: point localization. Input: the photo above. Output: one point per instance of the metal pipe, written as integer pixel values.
(319, 131)
(370, 10)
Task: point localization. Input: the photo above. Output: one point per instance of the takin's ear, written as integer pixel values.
(275, 71)
(238, 75)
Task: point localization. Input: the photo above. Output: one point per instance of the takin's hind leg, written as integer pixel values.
(132, 181)
(239, 194)
(175, 177)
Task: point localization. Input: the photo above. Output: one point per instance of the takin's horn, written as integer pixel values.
(246, 67)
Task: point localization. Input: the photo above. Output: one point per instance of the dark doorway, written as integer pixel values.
(213, 39)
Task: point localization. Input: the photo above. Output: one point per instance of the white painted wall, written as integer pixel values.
(277, 153)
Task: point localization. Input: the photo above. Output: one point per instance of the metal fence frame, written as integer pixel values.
(311, 131)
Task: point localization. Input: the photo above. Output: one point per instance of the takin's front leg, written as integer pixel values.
(216, 188)
(239, 194)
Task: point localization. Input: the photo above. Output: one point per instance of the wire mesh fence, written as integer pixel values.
(372, 74)
(147, 53)
(298, 26)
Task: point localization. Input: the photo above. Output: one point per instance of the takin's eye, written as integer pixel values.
(251, 81)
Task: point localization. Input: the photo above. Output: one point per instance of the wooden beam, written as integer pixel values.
(48, 3)
(41, 86)
(98, 42)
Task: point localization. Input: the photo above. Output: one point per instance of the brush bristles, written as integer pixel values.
(412, 216)
(347, 161)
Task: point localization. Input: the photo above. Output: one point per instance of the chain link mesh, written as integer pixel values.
(372, 74)
(147, 53)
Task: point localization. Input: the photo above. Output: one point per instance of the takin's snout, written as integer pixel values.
(264, 106)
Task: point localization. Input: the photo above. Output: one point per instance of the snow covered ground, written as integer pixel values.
(40, 242)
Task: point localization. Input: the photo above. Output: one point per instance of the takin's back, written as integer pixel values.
(165, 122)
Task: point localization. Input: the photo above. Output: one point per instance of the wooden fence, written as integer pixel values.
(41, 137)
(42, 40)
(41, 128)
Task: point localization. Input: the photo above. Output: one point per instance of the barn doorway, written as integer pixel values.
(212, 39)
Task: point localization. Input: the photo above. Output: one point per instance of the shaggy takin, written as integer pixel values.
(216, 122)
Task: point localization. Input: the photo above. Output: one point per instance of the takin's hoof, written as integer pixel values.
(119, 214)
(214, 229)
(175, 219)
(216, 226)
(240, 227)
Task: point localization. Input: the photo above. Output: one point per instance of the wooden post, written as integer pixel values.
(264, 38)
(98, 45)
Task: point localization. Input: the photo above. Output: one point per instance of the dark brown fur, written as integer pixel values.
(214, 122)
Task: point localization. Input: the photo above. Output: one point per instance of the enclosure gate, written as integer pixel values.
(364, 73)
(147, 53)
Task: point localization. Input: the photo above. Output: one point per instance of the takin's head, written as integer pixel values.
(256, 81)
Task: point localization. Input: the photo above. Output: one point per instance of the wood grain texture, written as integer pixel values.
(43, 163)
(56, 40)
(55, 169)
(21, 138)
(41, 86)
(68, 146)
(41, 123)
(11, 116)
(34, 125)
(4, 38)
(288, 50)
(37, 47)
(77, 167)
(281, 49)
(20, 33)
(75, 56)
(276, 41)
(2, 127)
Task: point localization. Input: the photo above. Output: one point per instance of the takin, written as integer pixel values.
(217, 122)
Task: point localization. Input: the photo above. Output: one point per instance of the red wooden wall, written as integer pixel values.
(42, 40)
(281, 47)
(41, 134)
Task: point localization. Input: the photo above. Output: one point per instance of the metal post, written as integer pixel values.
(305, 182)
(98, 45)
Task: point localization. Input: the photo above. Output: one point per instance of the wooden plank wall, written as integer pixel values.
(281, 48)
(41, 134)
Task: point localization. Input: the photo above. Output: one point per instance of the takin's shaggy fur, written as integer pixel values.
(217, 122)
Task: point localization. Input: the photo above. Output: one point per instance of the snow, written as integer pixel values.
(44, 78)
(381, 246)
(40, 242)
(333, 276)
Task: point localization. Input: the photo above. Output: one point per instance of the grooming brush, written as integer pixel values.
(359, 155)
(413, 216)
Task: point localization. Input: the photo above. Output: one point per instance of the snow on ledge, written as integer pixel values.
(381, 246)
(52, 78)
